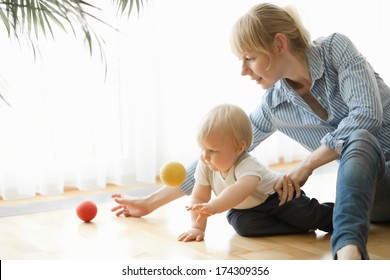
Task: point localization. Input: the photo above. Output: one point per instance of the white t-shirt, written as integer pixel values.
(246, 165)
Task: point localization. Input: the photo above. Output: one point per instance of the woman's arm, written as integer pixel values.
(353, 92)
(261, 124)
(141, 206)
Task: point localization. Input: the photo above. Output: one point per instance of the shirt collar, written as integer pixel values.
(282, 92)
(315, 61)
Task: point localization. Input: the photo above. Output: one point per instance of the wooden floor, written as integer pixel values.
(61, 235)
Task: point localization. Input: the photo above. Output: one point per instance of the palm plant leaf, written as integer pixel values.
(23, 18)
(5, 20)
(27, 16)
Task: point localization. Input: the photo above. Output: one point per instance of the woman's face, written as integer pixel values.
(258, 67)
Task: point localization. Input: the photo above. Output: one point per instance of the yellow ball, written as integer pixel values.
(173, 174)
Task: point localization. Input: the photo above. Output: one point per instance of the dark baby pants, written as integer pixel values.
(298, 215)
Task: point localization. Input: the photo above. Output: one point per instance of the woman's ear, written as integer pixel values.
(280, 43)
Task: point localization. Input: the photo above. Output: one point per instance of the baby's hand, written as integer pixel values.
(193, 234)
(204, 210)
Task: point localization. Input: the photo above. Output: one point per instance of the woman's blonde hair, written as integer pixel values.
(232, 121)
(255, 31)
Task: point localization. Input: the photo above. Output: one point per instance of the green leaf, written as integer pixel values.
(49, 14)
(5, 20)
(41, 20)
(124, 5)
(21, 18)
(29, 14)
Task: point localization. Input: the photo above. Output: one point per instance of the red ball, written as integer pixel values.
(86, 210)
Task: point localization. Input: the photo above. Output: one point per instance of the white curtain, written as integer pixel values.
(72, 125)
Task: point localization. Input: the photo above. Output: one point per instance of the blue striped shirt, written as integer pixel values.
(345, 85)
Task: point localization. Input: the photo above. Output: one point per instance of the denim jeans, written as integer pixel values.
(362, 192)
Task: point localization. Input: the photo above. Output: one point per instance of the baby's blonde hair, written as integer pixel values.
(232, 121)
(255, 30)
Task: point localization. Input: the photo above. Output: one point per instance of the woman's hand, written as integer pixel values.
(130, 206)
(291, 183)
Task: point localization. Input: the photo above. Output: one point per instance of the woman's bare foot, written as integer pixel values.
(349, 252)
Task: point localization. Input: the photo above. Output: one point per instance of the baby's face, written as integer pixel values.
(218, 152)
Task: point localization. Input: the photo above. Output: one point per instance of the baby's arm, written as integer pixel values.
(228, 198)
(200, 194)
